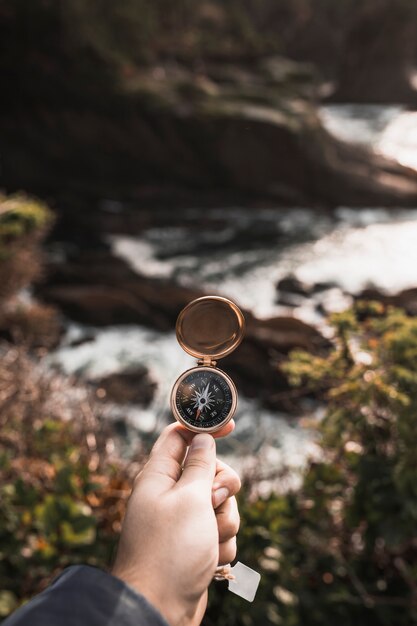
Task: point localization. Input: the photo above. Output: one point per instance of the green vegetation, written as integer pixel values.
(21, 215)
(62, 493)
(342, 547)
(23, 223)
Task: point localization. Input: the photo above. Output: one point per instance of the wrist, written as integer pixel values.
(175, 612)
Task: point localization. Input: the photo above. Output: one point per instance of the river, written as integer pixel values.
(243, 253)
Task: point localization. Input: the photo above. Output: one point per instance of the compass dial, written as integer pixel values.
(204, 399)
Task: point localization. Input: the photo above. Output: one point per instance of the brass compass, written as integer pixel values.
(204, 398)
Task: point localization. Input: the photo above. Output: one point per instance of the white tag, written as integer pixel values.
(245, 582)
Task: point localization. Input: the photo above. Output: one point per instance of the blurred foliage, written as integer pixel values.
(62, 492)
(23, 223)
(19, 216)
(342, 547)
(33, 325)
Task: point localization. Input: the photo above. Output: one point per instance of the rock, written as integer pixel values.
(372, 71)
(323, 286)
(285, 153)
(405, 299)
(293, 292)
(290, 300)
(255, 365)
(248, 139)
(81, 341)
(285, 333)
(93, 287)
(291, 284)
(132, 386)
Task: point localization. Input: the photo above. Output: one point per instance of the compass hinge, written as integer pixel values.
(207, 361)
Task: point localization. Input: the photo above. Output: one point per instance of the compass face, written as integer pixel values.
(204, 398)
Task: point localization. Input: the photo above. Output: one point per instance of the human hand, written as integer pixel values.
(179, 525)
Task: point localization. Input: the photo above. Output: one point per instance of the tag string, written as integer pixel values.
(223, 572)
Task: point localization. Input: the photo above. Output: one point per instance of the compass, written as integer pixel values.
(204, 398)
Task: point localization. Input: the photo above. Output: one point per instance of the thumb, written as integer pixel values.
(200, 464)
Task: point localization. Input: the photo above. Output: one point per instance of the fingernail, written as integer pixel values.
(203, 441)
(220, 496)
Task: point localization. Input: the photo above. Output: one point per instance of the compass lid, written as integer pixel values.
(210, 326)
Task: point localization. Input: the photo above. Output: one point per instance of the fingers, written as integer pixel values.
(164, 466)
(228, 520)
(200, 463)
(226, 483)
(223, 432)
(227, 551)
(226, 430)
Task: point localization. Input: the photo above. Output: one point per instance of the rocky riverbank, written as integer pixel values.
(242, 132)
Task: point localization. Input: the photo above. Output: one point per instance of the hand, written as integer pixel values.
(181, 522)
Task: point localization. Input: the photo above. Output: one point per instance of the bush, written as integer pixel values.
(342, 548)
(21, 215)
(23, 223)
(36, 326)
(62, 492)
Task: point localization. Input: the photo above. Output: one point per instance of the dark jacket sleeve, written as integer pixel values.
(86, 596)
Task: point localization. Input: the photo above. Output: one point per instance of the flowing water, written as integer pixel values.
(243, 253)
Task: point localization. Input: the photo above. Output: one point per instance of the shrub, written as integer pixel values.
(342, 548)
(21, 215)
(23, 223)
(36, 326)
(62, 492)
